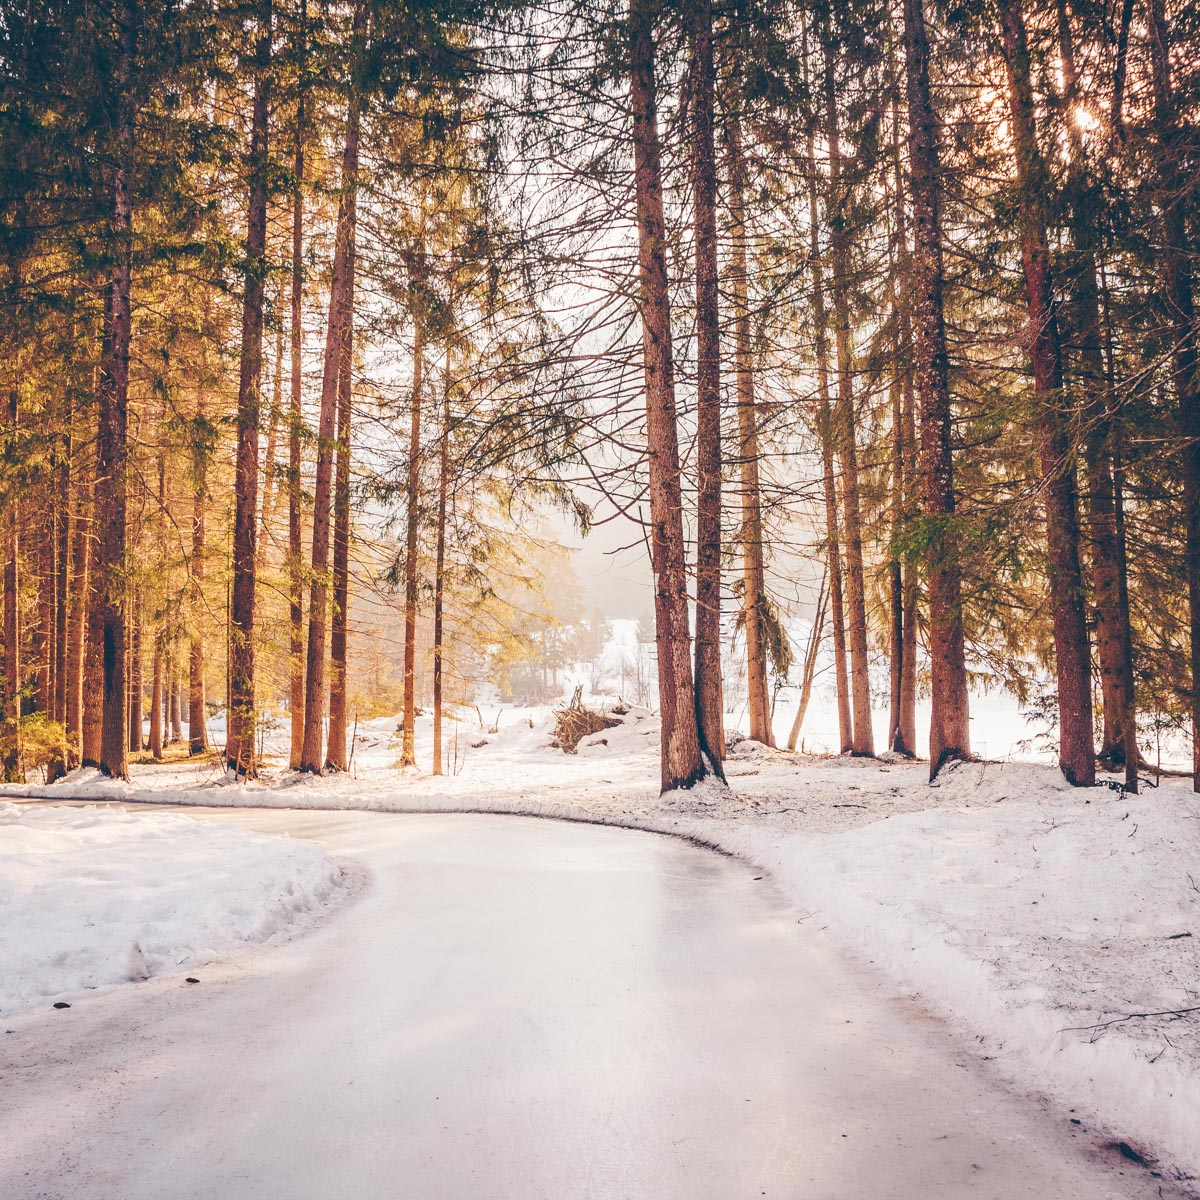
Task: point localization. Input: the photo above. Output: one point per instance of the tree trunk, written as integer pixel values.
(174, 696)
(845, 433)
(833, 554)
(754, 597)
(77, 609)
(239, 747)
(815, 637)
(135, 675)
(197, 711)
(10, 766)
(710, 703)
(111, 441)
(681, 762)
(1173, 143)
(1114, 643)
(62, 560)
(949, 732)
(296, 424)
(269, 474)
(408, 754)
(156, 699)
(1072, 659)
(439, 573)
(336, 755)
(340, 301)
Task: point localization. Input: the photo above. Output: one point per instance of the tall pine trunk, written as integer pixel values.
(408, 753)
(336, 753)
(1179, 299)
(111, 441)
(10, 766)
(340, 301)
(751, 534)
(296, 423)
(709, 693)
(197, 712)
(439, 569)
(681, 761)
(949, 730)
(1114, 642)
(1076, 753)
(845, 432)
(833, 552)
(239, 748)
(77, 604)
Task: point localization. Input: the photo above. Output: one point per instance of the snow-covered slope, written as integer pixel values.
(91, 896)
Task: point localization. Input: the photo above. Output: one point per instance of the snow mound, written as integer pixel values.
(97, 896)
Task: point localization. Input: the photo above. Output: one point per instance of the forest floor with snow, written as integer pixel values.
(1055, 928)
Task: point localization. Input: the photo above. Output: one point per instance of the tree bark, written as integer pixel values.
(681, 761)
(296, 423)
(340, 300)
(816, 635)
(336, 754)
(239, 748)
(77, 607)
(111, 441)
(135, 674)
(949, 732)
(845, 433)
(1181, 313)
(156, 699)
(10, 763)
(439, 585)
(408, 754)
(1076, 754)
(833, 554)
(197, 711)
(1114, 642)
(751, 536)
(710, 702)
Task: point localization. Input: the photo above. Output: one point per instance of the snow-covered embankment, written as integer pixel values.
(91, 896)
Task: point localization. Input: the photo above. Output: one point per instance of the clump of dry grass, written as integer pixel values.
(575, 721)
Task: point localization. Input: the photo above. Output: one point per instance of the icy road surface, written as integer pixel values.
(513, 1009)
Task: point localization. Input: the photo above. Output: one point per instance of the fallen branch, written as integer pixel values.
(1174, 1013)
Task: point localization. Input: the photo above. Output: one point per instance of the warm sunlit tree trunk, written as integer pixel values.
(709, 692)
(681, 760)
(439, 570)
(1076, 754)
(408, 752)
(949, 731)
(341, 298)
(1173, 143)
(239, 748)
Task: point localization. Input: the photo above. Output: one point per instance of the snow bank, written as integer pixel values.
(91, 896)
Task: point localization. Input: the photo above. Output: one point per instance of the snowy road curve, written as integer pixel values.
(513, 1009)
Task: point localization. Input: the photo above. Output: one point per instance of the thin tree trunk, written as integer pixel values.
(439, 573)
(240, 748)
(753, 571)
(135, 674)
(11, 759)
(156, 699)
(77, 608)
(815, 637)
(197, 710)
(949, 732)
(710, 703)
(1072, 658)
(408, 754)
(174, 699)
(62, 560)
(270, 483)
(340, 301)
(833, 555)
(111, 442)
(681, 761)
(296, 423)
(336, 754)
(1181, 312)
(845, 433)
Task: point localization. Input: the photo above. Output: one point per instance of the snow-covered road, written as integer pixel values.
(511, 1009)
